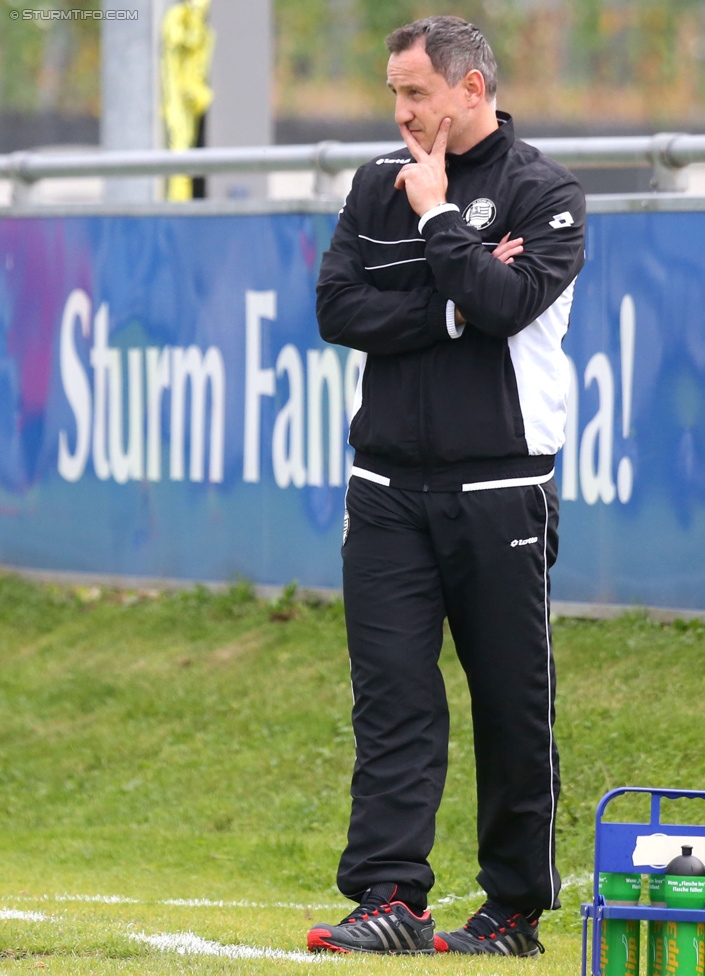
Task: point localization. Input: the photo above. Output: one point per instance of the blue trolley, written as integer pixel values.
(614, 845)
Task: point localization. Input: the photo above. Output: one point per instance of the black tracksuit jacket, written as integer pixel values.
(440, 413)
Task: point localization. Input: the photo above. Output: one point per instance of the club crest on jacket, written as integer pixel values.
(480, 213)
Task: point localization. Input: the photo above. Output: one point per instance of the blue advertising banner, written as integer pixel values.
(632, 475)
(168, 410)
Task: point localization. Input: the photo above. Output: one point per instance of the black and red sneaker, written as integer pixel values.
(494, 930)
(378, 926)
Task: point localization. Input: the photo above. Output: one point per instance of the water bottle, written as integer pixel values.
(619, 937)
(684, 942)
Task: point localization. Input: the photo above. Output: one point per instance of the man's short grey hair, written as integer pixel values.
(454, 47)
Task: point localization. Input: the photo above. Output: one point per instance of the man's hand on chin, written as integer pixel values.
(425, 181)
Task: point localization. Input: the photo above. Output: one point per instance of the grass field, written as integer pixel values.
(174, 777)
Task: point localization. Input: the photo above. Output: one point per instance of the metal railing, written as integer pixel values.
(666, 153)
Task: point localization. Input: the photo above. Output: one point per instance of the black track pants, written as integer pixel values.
(481, 558)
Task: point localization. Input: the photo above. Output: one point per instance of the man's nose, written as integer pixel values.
(403, 113)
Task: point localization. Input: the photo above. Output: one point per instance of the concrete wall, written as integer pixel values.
(241, 112)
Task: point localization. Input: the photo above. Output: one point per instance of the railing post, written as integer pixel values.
(667, 174)
(21, 187)
(324, 184)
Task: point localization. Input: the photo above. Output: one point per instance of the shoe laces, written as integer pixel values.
(488, 923)
(363, 912)
(485, 923)
(373, 903)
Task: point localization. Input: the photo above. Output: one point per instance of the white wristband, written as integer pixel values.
(434, 211)
(454, 331)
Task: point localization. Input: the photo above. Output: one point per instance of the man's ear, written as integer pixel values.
(474, 84)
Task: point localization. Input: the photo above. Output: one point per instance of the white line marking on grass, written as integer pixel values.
(23, 916)
(103, 899)
(451, 899)
(186, 943)
(207, 903)
(578, 880)
(572, 881)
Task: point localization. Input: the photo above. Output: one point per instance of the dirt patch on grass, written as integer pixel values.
(224, 656)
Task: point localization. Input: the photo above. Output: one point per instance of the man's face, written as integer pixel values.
(424, 98)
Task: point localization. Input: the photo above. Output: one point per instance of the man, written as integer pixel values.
(452, 269)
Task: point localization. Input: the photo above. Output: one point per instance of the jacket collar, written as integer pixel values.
(496, 144)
